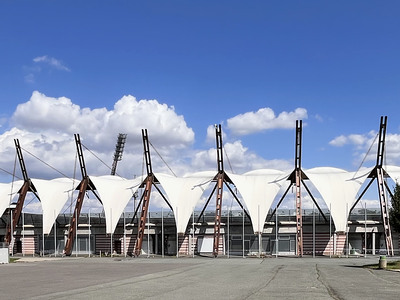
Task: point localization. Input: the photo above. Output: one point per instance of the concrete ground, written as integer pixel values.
(197, 278)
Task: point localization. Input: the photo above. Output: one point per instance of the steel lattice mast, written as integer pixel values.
(119, 149)
(379, 174)
(26, 187)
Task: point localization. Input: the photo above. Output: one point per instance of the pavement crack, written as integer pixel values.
(332, 293)
(275, 272)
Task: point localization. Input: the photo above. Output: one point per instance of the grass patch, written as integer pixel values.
(393, 265)
(390, 265)
(13, 259)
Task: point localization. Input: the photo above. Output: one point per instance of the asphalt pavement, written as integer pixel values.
(197, 278)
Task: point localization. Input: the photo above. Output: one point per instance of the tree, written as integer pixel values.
(394, 211)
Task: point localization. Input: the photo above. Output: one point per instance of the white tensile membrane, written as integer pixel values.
(258, 189)
(53, 195)
(6, 194)
(115, 193)
(394, 172)
(338, 189)
(183, 193)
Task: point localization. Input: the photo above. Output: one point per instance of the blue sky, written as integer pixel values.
(253, 66)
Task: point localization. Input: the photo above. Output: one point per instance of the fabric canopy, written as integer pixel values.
(115, 193)
(183, 193)
(258, 189)
(53, 195)
(394, 172)
(339, 189)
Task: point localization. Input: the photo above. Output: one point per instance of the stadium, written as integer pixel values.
(211, 213)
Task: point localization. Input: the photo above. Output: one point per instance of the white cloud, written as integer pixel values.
(365, 146)
(353, 139)
(52, 62)
(30, 78)
(264, 119)
(46, 127)
(319, 118)
(237, 159)
(339, 141)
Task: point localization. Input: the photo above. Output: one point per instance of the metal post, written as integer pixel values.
(124, 234)
(227, 247)
(23, 234)
(259, 231)
(193, 244)
(42, 242)
(76, 234)
(162, 232)
(148, 233)
(177, 236)
(276, 234)
(314, 233)
(55, 234)
(90, 231)
(347, 231)
(111, 237)
(243, 231)
(12, 233)
(373, 243)
(365, 228)
(330, 229)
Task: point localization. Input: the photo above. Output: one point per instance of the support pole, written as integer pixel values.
(220, 183)
(90, 231)
(313, 240)
(124, 234)
(162, 232)
(243, 232)
(365, 229)
(23, 234)
(193, 229)
(298, 175)
(227, 247)
(276, 235)
(55, 234)
(72, 230)
(217, 222)
(330, 229)
(143, 215)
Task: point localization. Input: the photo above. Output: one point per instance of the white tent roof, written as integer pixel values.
(183, 193)
(258, 189)
(394, 172)
(339, 189)
(6, 194)
(53, 195)
(115, 193)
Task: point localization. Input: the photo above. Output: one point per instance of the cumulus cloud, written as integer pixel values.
(237, 159)
(264, 119)
(46, 127)
(353, 139)
(52, 62)
(365, 146)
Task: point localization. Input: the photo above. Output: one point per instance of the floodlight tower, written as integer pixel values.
(119, 149)
(26, 187)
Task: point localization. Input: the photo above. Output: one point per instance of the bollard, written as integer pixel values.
(382, 262)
